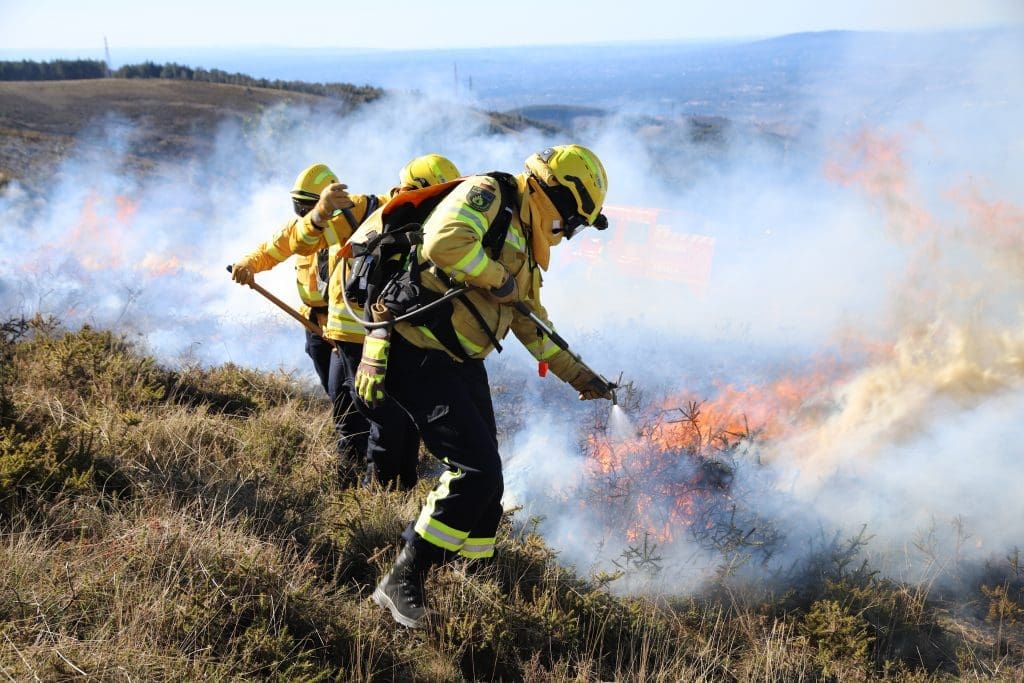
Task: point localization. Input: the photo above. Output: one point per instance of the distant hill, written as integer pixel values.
(559, 115)
(41, 121)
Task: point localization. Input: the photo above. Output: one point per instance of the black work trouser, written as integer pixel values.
(393, 450)
(319, 351)
(351, 428)
(450, 403)
(393, 443)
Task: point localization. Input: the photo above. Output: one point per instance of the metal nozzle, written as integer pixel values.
(613, 387)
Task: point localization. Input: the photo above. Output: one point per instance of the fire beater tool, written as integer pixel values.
(309, 324)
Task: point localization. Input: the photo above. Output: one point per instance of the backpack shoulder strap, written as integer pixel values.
(494, 238)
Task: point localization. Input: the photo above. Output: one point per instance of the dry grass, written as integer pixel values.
(186, 525)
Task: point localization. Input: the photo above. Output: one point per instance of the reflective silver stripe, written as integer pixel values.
(431, 529)
(474, 262)
(306, 235)
(430, 532)
(515, 239)
(276, 253)
(471, 216)
(338, 317)
(313, 298)
(468, 345)
(345, 326)
(477, 547)
(331, 235)
(543, 348)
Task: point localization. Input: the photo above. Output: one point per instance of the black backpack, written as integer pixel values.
(386, 267)
(323, 272)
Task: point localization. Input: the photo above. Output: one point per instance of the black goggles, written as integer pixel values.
(565, 204)
(302, 206)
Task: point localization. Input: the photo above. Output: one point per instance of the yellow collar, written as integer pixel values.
(542, 217)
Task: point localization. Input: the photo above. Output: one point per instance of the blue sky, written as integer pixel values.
(70, 24)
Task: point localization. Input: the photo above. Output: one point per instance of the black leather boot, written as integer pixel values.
(401, 589)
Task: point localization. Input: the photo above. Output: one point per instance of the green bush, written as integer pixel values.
(39, 468)
(840, 639)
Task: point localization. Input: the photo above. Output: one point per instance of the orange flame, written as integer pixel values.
(674, 465)
(157, 265)
(875, 162)
(103, 237)
(97, 238)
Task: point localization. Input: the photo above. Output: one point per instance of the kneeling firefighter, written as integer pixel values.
(490, 235)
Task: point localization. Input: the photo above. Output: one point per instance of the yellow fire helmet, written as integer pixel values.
(427, 170)
(574, 178)
(312, 181)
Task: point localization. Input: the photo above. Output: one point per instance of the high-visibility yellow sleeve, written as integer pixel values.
(274, 251)
(453, 233)
(540, 345)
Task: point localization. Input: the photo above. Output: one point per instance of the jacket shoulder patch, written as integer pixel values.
(480, 198)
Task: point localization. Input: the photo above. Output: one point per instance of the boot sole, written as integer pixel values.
(382, 599)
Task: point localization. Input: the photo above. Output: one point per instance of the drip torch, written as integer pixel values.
(609, 386)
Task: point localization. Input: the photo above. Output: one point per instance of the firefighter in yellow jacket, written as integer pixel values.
(393, 444)
(446, 390)
(325, 217)
(393, 447)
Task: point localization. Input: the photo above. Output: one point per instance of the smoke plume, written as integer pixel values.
(862, 311)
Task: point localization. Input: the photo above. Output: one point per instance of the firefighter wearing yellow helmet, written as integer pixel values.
(326, 216)
(394, 442)
(427, 170)
(318, 196)
(445, 390)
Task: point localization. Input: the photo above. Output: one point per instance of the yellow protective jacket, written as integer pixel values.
(277, 250)
(308, 239)
(300, 238)
(452, 241)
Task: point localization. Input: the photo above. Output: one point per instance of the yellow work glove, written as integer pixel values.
(333, 198)
(372, 368)
(591, 385)
(242, 273)
(507, 292)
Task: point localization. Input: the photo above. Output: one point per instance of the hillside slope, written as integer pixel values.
(187, 524)
(41, 121)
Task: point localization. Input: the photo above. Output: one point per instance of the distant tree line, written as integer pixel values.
(57, 70)
(64, 69)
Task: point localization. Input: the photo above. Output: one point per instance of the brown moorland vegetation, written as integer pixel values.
(160, 524)
(41, 121)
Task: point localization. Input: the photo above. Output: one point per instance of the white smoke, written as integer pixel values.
(878, 226)
(888, 244)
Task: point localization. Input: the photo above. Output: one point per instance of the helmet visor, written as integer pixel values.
(565, 203)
